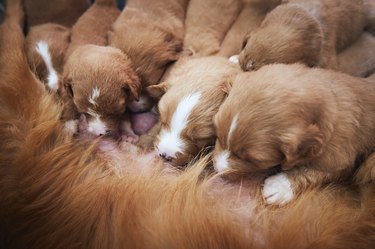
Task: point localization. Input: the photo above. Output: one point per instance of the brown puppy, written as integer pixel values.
(100, 81)
(207, 22)
(311, 32)
(58, 193)
(93, 25)
(312, 122)
(194, 92)
(359, 58)
(45, 47)
(250, 18)
(151, 34)
(64, 12)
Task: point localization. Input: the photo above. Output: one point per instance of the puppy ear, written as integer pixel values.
(68, 88)
(301, 144)
(132, 87)
(226, 85)
(175, 46)
(156, 91)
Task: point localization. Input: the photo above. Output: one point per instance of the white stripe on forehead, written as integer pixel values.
(43, 50)
(170, 142)
(233, 126)
(94, 94)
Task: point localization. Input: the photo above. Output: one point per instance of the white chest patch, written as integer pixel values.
(170, 141)
(96, 126)
(43, 50)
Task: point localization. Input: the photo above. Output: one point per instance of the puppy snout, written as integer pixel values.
(165, 157)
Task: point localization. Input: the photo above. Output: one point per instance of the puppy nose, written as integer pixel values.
(106, 133)
(165, 157)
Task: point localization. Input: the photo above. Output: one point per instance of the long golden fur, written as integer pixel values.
(56, 192)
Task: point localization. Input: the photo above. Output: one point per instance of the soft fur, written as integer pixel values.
(64, 12)
(359, 58)
(206, 76)
(56, 192)
(311, 32)
(151, 34)
(207, 22)
(57, 37)
(314, 123)
(251, 16)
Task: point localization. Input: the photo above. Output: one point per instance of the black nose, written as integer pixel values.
(106, 133)
(165, 157)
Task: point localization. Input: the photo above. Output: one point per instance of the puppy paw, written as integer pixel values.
(71, 126)
(277, 190)
(130, 138)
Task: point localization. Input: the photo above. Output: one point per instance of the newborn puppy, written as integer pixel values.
(64, 12)
(314, 123)
(93, 25)
(250, 18)
(311, 32)
(151, 34)
(194, 92)
(99, 81)
(207, 22)
(45, 47)
(359, 58)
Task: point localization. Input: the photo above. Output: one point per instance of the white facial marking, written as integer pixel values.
(42, 49)
(221, 161)
(71, 126)
(97, 127)
(234, 59)
(170, 142)
(95, 93)
(233, 126)
(277, 189)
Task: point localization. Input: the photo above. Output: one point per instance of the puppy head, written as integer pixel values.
(288, 34)
(101, 82)
(266, 124)
(150, 50)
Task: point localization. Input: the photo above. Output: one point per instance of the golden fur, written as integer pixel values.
(151, 34)
(299, 121)
(64, 12)
(251, 15)
(56, 192)
(57, 37)
(207, 22)
(311, 32)
(359, 58)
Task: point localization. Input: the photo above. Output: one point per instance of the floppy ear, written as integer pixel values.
(133, 87)
(226, 85)
(175, 45)
(301, 144)
(68, 88)
(156, 91)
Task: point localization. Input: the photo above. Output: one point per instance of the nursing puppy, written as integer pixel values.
(45, 47)
(98, 82)
(311, 32)
(359, 59)
(127, 199)
(314, 123)
(151, 34)
(207, 22)
(193, 94)
(251, 15)
(64, 12)
(93, 25)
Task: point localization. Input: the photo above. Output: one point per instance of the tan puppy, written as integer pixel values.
(45, 47)
(93, 25)
(151, 34)
(359, 58)
(100, 81)
(194, 92)
(312, 122)
(251, 15)
(64, 12)
(207, 22)
(311, 32)
(57, 192)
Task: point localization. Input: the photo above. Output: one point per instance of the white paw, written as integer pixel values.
(277, 190)
(234, 59)
(71, 126)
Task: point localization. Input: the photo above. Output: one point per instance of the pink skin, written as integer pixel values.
(143, 122)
